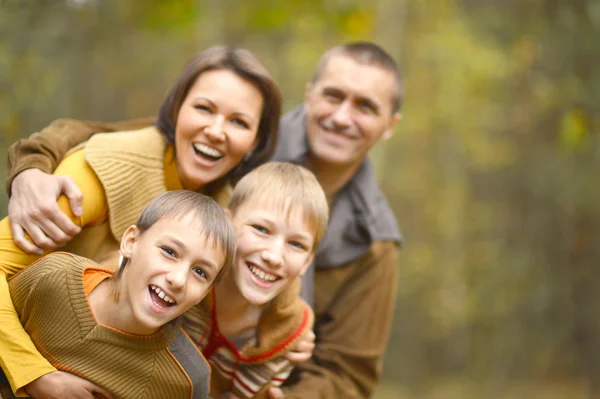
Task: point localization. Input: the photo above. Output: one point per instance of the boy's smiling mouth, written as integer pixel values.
(261, 274)
(160, 298)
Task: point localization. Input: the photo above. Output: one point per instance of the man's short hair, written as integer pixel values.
(288, 187)
(366, 53)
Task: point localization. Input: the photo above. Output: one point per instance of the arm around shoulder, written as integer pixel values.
(44, 150)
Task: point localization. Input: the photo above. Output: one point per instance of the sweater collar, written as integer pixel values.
(283, 322)
(90, 329)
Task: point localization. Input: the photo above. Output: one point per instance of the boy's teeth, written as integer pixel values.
(206, 150)
(162, 295)
(262, 275)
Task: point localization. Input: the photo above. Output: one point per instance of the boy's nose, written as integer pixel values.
(273, 255)
(177, 278)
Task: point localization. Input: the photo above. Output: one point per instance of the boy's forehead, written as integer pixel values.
(275, 206)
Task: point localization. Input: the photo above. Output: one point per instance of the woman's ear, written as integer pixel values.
(128, 241)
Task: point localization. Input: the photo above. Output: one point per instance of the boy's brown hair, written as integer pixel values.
(287, 186)
(207, 216)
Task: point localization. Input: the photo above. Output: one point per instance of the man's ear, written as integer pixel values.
(307, 94)
(128, 241)
(391, 127)
(307, 265)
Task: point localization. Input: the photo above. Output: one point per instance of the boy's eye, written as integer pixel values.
(298, 245)
(200, 272)
(259, 228)
(168, 251)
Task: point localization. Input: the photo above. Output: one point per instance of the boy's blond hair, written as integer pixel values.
(289, 187)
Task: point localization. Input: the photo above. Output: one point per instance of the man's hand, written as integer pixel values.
(275, 393)
(33, 208)
(303, 349)
(60, 385)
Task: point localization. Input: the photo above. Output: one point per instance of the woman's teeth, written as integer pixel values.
(208, 151)
(262, 275)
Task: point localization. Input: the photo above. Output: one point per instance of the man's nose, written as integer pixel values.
(342, 116)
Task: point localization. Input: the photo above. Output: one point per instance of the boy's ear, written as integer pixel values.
(308, 263)
(128, 240)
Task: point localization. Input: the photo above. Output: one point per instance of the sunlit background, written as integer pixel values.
(492, 173)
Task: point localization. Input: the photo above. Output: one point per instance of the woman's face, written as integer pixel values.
(217, 125)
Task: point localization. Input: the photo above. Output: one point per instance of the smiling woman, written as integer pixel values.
(224, 105)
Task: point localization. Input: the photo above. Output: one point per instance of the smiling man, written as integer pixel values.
(351, 104)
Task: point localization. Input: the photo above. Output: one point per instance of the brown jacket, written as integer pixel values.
(353, 298)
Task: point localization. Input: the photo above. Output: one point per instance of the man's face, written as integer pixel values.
(349, 109)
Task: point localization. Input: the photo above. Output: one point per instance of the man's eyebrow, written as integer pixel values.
(371, 103)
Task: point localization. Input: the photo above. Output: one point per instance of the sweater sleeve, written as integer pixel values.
(19, 358)
(44, 150)
(352, 330)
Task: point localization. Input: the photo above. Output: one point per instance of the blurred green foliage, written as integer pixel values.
(491, 172)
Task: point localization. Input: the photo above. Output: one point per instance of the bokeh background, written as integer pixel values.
(493, 172)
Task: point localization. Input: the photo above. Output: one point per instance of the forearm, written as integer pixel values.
(19, 358)
(352, 331)
(46, 149)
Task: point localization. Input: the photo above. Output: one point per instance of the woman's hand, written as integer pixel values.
(33, 209)
(59, 385)
(303, 349)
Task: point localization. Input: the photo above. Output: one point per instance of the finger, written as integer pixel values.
(38, 236)
(68, 228)
(73, 193)
(96, 390)
(304, 346)
(275, 393)
(298, 357)
(53, 232)
(21, 242)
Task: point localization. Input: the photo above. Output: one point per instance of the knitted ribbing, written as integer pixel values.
(50, 299)
(130, 166)
(261, 361)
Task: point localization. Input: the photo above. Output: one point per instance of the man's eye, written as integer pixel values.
(333, 96)
(366, 107)
(169, 251)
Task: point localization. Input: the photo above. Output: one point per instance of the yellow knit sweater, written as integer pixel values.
(51, 301)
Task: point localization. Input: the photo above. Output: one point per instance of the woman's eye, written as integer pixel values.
(202, 108)
(200, 272)
(169, 251)
(241, 123)
(259, 228)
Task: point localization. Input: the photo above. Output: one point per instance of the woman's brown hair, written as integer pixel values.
(246, 66)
